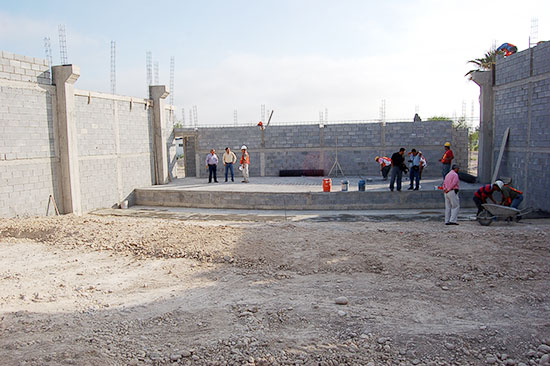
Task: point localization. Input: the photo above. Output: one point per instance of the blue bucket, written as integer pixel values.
(362, 184)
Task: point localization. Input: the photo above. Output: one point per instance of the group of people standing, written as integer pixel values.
(396, 167)
(229, 159)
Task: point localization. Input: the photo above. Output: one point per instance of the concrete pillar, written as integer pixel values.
(158, 93)
(486, 101)
(63, 78)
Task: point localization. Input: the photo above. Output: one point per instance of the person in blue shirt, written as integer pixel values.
(414, 169)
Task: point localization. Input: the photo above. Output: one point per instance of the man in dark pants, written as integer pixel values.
(212, 165)
(397, 163)
(414, 159)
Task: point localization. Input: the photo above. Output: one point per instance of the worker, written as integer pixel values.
(423, 163)
(385, 165)
(452, 202)
(510, 196)
(245, 162)
(261, 125)
(447, 159)
(481, 195)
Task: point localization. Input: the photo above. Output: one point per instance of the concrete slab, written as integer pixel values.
(294, 184)
(294, 193)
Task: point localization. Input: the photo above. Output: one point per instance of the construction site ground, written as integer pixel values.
(227, 290)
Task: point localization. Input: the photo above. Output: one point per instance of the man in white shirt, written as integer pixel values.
(229, 158)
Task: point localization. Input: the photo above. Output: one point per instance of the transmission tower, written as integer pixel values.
(149, 69)
(113, 67)
(48, 49)
(383, 111)
(534, 35)
(172, 70)
(156, 64)
(63, 44)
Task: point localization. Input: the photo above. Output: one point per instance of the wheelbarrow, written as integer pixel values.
(494, 212)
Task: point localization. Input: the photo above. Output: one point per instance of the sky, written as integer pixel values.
(296, 57)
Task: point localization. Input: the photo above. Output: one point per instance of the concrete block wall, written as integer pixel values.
(512, 68)
(314, 146)
(114, 137)
(29, 157)
(24, 68)
(522, 103)
(114, 148)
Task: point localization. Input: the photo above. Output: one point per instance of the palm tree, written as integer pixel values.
(484, 64)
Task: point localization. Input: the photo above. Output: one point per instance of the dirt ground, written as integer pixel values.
(131, 291)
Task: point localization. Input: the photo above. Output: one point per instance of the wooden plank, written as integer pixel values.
(502, 147)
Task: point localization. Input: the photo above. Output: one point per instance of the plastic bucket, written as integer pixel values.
(345, 185)
(361, 185)
(327, 184)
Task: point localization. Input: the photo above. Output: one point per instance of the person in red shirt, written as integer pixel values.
(481, 195)
(452, 203)
(447, 159)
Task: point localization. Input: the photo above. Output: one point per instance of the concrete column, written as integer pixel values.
(486, 101)
(63, 78)
(158, 93)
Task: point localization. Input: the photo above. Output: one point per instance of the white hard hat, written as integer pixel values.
(499, 183)
(243, 147)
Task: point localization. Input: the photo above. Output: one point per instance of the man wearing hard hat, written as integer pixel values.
(385, 165)
(447, 160)
(245, 162)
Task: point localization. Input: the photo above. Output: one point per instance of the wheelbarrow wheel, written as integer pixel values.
(485, 218)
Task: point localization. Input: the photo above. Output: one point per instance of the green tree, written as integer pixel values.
(485, 63)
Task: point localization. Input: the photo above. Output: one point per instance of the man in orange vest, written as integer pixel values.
(385, 165)
(447, 159)
(245, 162)
(510, 196)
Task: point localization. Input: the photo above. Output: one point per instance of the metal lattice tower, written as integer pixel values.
(172, 71)
(156, 73)
(262, 112)
(62, 44)
(183, 116)
(383, 111)
(48, 49)
(149, 69)
(191, 122)
(195, 116)
(113, 67)
(326, 115)
(321, 117)
(235, 118)
(534, 35)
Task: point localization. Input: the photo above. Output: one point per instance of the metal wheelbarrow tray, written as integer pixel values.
(493, 212)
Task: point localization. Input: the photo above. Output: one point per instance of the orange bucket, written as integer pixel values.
(327, 184)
